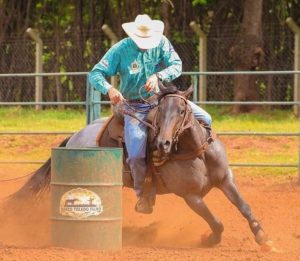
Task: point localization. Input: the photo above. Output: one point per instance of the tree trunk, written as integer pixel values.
(165, 13)
(247, 54)
(79, 47)
(133, 8)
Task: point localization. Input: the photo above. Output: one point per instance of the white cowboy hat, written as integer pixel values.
(144, 31)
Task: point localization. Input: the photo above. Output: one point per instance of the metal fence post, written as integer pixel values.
(34, 34)
(296, 30)
(202, 59)
(87, 102)
(93, 106)
(195, 84)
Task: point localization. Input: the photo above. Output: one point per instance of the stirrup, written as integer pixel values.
(210, 134)
(209, 131)
(210, 138)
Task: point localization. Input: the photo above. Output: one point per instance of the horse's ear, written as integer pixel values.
(166, 87)
(161, 86)
(188, 92)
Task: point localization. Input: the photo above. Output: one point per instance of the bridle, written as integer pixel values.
(187, 120)
(186, 123)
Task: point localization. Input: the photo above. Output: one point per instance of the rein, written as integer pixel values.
(135, 117)
(192, 154)
(141, 111)
(187, 121)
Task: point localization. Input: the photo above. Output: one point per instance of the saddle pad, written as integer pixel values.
(114, 127)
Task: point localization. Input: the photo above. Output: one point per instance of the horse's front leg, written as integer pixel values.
(230, 190)
(197, 204)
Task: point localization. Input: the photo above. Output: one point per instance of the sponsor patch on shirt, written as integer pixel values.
(104, 63)
(134, 68)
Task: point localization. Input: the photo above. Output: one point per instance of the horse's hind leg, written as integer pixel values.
(197, 204)
(229, 188)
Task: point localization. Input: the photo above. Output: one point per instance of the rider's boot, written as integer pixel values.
(146, 201)
(141, 185)
(144, 205)
(210, 134)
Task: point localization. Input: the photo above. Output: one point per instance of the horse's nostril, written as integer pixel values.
(164, 145)
(167, 143)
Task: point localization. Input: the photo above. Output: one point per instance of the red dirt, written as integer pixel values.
(172, 232)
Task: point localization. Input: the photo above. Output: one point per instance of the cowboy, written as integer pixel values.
(141, 60)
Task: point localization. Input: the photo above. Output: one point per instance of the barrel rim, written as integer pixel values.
(88, 149)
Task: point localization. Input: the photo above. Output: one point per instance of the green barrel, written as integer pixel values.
(86, 197)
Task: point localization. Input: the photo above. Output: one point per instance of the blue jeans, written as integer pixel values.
(135, 134)
(200, 114)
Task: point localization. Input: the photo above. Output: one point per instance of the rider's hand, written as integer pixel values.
(115, 96)
(152, 83)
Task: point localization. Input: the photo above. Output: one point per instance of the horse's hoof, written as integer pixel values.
(261, 237)
(143, 206)
(210, 239)
(268, 246)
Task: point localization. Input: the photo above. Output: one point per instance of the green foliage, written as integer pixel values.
(179, 37)
(289, 93)
(200, 2)
(74, 41)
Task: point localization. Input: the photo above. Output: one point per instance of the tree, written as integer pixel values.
(73, 41)
(247, 54)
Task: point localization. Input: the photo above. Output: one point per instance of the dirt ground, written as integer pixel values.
(172, 232)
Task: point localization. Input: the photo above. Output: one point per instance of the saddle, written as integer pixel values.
(114, 126)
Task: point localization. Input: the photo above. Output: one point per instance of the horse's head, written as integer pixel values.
(173, 116)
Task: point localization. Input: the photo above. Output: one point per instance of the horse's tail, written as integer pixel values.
(39, 181)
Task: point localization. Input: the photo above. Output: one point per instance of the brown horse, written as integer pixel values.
(191, 168)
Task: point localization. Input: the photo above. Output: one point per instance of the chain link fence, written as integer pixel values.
(279, 56)
(79, 53)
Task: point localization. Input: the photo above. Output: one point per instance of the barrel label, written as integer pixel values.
(80, 203)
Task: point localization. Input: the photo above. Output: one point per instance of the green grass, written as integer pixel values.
(268, 120)
(240, 149)
(16, 118)
(278, 173)
(26, 119)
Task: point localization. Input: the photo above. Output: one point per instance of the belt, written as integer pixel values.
(138, 101)
(145, 101)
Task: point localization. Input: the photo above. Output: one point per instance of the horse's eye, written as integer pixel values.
(181, 112)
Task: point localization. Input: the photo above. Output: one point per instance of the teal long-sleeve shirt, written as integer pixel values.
(135, 66)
